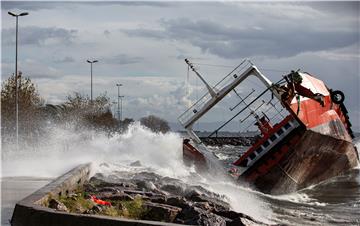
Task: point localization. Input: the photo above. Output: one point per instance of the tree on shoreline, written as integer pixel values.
(29, 106)
(155, 123)
(80, 111)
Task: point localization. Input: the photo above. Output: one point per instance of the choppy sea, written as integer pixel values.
(333, 202)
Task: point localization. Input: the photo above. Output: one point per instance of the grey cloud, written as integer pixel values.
(33, 35)
(28, 5)
(132, 3)
(122, 59)
(67, 59)
(234, 42)
(40, 5)
(107, 33)
(147, 33)
(340, 7)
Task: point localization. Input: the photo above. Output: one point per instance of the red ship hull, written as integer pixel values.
(312, 144)
(304, 158)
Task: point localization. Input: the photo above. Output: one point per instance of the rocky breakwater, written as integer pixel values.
(148, 196)
(234, 141)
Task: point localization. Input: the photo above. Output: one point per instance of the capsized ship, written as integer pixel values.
(305, 135)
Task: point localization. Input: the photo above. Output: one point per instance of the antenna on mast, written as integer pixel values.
(211, 90)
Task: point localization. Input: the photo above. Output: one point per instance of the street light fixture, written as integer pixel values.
(91, 82)
(16, 75)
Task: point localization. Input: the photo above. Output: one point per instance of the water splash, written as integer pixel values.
(67, 148)
(158, 153)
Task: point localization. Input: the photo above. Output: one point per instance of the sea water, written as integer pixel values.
(333, 202)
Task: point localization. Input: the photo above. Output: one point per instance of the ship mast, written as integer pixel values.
(211, 90)
(226, 85)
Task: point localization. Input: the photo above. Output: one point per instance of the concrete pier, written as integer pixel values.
(32, 211)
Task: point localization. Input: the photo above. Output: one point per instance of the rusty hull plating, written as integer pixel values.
(311, 143)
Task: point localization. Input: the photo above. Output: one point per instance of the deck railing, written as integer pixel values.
(228, 79)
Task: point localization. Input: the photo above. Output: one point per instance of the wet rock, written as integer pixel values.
(203, 191)
(160, 212)
(114, 178)
(57, 205)
(109, 189)
(136, 163)
(196, 216)
(204, 205)
(128, 185)
(173, 189)
(149, 176)
(146, 185)
(238, 218)
(165, 199)
(241, 221)
(99, 182)
(94, 210)
(228, 214)
(196, 196)
(143, 197)
(177, 201)
(142, 193)
(159, 199)
(189, 192)
(79, 209)
(97, 176)
(89, 187)
(115, 197)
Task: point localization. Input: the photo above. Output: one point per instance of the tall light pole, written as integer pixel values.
(121, 107)
(91, 78)
(118, 111)
(16, 75)
(114, 108)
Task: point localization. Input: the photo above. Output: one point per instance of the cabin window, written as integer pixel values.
(280, 132)
(273, 137)
(252, 156)
(259, 150)
(287, 126)
(266, 143)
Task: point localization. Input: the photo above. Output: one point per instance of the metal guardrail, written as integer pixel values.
(228, 79)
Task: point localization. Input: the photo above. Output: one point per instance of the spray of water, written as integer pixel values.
(159, 153)
(66, 148)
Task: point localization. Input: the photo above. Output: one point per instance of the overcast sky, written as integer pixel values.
(143, 45)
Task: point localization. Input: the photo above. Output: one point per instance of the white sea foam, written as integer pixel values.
(159, 153)
(66, 149)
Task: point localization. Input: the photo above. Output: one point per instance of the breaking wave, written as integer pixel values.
(152, 152)
(139, 149)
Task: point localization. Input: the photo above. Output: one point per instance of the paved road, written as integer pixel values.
(14, 189)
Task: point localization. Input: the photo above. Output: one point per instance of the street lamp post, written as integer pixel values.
(16, 75)
(91, 78)
(118, 111)
(113, 105)
(121, 107)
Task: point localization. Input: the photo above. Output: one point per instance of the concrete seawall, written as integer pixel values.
(32, 210)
